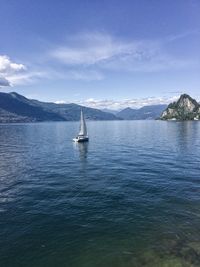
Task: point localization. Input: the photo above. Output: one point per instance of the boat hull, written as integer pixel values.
(81, 140)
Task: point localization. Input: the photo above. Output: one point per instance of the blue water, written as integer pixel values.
(128, 198)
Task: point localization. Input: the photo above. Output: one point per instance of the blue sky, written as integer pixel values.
(100, 53)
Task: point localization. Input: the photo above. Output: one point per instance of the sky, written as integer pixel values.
(104, 54)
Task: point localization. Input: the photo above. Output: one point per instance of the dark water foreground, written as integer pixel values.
(129, 198)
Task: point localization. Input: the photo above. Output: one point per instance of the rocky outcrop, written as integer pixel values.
(186, 108)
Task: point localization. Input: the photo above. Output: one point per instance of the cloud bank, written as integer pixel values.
(102, 52)
(93, 56)
(121, 104)
(132, 103)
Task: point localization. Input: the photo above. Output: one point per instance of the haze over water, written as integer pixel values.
(130, 197)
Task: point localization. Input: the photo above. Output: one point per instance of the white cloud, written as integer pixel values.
(89, 49)
(121, 104)
(60, 102)
(25, 78)
(10, 71)
(7, 66)
(105, 52)
(76, 74)
(84, 75)
(92, 56)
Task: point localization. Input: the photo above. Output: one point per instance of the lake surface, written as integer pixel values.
(128, 198)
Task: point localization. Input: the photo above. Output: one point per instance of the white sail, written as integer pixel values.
(83, 128)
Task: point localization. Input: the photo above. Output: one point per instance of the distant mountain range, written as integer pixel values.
(17, 108)
(144, 113)
(186, 108)
(112, 111)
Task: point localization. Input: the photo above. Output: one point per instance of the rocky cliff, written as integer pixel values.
(186, 108)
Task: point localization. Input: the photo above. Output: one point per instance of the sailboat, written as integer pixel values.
(82, 136)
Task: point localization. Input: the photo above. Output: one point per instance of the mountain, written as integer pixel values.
(186, 108)
(145, 113)
(127, 113)
(17, 108)
(71, 112)
(112, 111)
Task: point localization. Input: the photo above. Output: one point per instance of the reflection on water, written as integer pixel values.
(187, 133)
(128, 199)
(82, 148)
